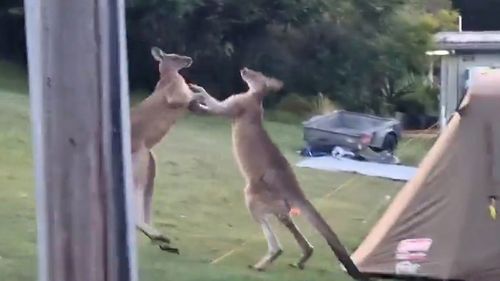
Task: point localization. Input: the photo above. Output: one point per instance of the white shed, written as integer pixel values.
(463, 55)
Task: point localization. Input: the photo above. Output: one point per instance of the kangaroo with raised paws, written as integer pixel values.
(150, 121)
(271, 185)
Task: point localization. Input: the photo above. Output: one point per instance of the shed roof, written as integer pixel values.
(469, 40)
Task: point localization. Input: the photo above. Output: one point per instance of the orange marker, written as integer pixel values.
(294, 212)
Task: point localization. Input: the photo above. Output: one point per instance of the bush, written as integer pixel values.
(296, 104)
(283, 117)
(354, 50)
(423, 100)
(324, 105)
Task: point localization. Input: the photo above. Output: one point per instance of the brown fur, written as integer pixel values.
(150, 121)
(271, 185)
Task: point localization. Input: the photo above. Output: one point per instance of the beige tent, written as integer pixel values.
(442, 224)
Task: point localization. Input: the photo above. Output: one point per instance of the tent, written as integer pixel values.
(442, 225)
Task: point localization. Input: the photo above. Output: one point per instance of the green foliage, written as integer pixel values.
(324, 105)
(296, 104)
(442, 20)
(221, 35)
(353, 51)
(12, 78)
(295, 107)
(284, 117)
(12, 38)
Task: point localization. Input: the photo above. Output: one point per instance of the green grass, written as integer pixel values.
(198, 202)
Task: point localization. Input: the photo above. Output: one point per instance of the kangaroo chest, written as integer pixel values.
(250, 150)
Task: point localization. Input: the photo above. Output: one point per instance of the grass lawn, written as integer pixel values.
(198, 201)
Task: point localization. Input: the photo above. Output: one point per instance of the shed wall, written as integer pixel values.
(453, 78)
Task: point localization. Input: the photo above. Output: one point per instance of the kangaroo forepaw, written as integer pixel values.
(169, 249)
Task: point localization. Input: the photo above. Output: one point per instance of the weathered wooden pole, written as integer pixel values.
(79, 102)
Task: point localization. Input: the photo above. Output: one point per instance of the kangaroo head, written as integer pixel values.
(170, 62)
(258, 83)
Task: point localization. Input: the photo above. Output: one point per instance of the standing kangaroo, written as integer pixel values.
(150, 122)
(271, 185)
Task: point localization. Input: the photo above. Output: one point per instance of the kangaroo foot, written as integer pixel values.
(169, 249)
(256, 268)
(297, 265)
(160, 239)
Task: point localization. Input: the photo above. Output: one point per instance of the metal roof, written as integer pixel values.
(468, 40)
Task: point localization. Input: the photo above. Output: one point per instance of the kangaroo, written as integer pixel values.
(271, 185)
(150, 121)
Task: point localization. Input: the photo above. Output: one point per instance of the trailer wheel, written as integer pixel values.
(390, 142)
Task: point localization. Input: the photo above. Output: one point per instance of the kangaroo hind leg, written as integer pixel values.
(149, 189)
(273, 247)
(144, 169)
(305, 246)
(261, 204)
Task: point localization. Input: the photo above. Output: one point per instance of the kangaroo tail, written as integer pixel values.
(314, 217)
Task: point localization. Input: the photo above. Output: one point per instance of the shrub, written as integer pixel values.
(296, 104)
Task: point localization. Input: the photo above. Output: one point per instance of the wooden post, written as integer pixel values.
(80, 118)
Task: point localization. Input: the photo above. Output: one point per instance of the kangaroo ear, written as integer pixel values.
(157, 53)
(274, 85)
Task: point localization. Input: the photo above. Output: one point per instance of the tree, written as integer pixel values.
(356, 52)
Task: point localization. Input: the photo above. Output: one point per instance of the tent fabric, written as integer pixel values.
(440, 224)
